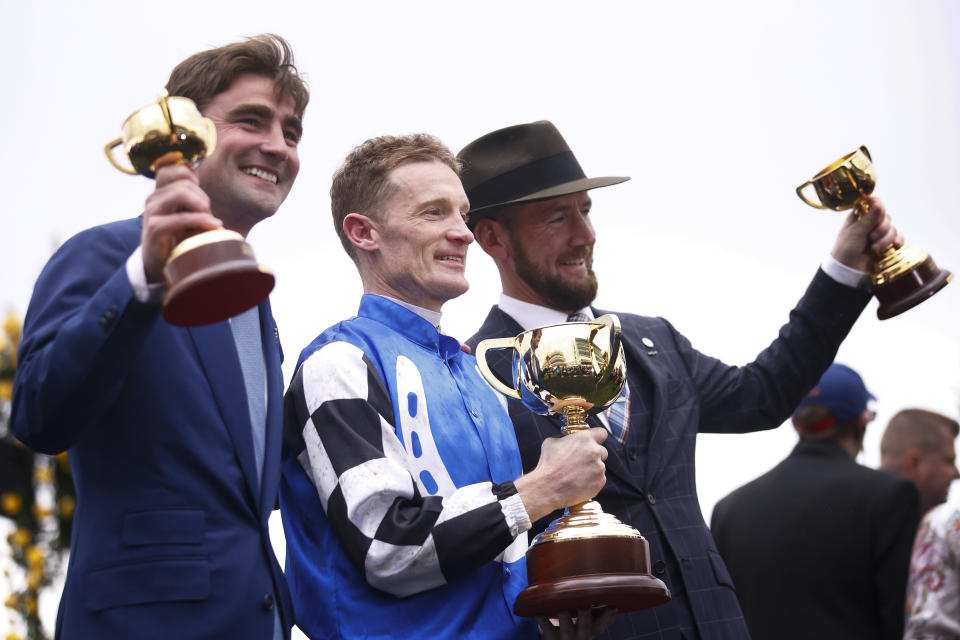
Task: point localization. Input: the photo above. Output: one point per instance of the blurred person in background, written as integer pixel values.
(819, 546)
(919, 445)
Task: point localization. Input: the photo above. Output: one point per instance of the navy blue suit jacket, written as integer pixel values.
(677, 392)
(170, 532)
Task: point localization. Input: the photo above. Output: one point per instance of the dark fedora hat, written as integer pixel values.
(521, 163)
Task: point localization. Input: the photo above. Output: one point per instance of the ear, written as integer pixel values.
(360, 231)
(493, 238)
(911, 458)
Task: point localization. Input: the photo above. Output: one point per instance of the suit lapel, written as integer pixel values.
(218, 356)
(273, 356)
(640, 356)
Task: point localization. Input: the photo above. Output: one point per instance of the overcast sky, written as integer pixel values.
(717, 110)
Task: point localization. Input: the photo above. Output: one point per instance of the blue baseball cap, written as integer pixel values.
(841, 390)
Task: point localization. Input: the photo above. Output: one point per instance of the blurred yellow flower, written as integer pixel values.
(42, 475)
(6, 389)
(34, 578)
(31, 605)
(11, 601)
(35, 557)
(66, 506)
(11, 503)
(20, 538)
(42, 512)
(11, 326)
(63, 460)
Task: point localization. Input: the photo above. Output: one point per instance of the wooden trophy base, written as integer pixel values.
(213, 276)
(578, 566)
(910, 288)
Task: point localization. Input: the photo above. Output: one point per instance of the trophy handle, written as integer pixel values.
(495, 382)
(866, 153)
(109, 151)
(613, 322)
(806, 199)
(211, 136)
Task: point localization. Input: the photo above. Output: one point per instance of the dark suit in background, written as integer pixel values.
(677, 392)
(819, 547)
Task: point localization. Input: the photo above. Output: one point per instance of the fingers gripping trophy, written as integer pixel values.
(902, 278)
(211, 275)
(585, 558)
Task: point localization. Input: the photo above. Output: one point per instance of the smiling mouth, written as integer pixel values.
(260, 173)
(456, 259)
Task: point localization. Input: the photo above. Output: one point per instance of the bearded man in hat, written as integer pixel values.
(819, 534)
(529, 206)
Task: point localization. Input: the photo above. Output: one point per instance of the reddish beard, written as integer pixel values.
(560, 293)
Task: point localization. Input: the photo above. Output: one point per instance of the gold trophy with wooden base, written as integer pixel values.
(902, 278)
(585, 558)
(211, 275)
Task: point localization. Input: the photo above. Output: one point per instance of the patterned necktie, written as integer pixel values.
(618, 415)
(246, 334)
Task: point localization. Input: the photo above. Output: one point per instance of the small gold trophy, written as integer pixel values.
(585, 558)
(902, 278)
(212, 275)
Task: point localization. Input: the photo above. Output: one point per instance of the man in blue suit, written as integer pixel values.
(529, 207)
(174, 434)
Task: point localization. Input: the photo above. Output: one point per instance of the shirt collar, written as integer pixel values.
(433, 317)
(403, 319)
(530, 316)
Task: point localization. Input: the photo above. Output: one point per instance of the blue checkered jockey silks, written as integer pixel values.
(618, 415)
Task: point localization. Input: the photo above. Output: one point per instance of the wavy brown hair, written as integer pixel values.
(203, 75)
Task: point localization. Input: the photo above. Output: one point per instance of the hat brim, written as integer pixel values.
(566, 188)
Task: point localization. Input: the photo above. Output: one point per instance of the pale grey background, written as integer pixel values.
(718, 110)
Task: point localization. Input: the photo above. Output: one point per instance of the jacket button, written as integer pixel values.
(659, 568)
(651, 499)
(267, 602)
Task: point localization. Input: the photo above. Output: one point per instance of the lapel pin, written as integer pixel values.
(647, 342)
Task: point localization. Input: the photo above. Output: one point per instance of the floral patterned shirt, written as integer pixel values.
(933, 593)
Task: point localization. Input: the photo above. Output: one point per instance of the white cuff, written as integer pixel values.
(515, 514)
(137, 275)
(846, 275)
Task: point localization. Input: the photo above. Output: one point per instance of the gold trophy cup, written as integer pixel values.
(585, 558)
(211, 275)
(902, 278)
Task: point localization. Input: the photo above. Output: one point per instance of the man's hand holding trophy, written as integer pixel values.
(210, 275)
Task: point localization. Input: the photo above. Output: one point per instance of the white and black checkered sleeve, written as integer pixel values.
(340, 424)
